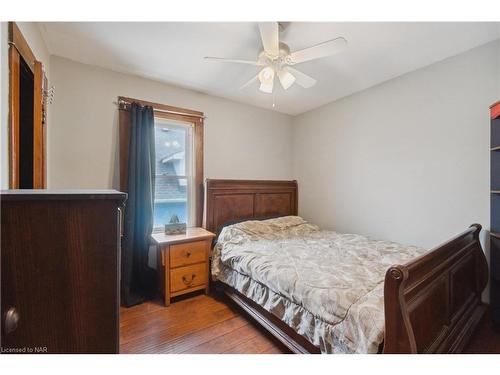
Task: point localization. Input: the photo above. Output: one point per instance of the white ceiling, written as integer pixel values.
(173, 52)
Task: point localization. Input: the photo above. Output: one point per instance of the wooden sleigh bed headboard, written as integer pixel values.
(229, 200)
(432, 303)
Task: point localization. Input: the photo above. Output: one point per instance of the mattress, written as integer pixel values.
(325, 285)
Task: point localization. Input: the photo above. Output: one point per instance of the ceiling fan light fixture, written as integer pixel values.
(286, 79)
(266, 78)
(267, 88)
(266, 74)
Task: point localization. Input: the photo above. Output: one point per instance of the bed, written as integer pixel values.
(355, 295)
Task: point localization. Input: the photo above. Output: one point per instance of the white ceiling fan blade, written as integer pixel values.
(254, 79)
(286, 78)
(302, 79)
(270, 37)
(238, 61)
(318, 51)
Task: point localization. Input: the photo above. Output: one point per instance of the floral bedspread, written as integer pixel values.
(327, 286)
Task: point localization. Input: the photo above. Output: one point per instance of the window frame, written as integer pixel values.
(172, 113)
(190, 167)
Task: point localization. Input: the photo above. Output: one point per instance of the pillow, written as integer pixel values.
(241, 220)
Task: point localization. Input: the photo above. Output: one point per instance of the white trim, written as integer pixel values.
(189, 168)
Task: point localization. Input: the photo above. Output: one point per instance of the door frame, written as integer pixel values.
(19, 49)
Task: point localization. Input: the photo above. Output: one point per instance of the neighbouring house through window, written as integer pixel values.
(174, 183)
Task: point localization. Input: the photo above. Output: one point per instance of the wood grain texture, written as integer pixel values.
(199, 324)
(38, 133)
(59, 265)
(204, 324)
(432, 304)
(164, 273)
(184, 254)
(14, 118)
(161, 106)
(229, 200)
(16, 39)
(183, 261)
(199, 156)
(44, 132)
(187, 277)
(192, 234)
(61, 194)
(486, 340)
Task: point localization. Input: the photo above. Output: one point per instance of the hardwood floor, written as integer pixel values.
(204, 324)
(193, 324)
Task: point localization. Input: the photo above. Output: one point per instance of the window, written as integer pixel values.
(174, 183)
(179, 161)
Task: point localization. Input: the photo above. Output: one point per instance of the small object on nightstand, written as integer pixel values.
(183, 261)
(174, 227)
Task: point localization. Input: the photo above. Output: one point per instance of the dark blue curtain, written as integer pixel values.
(138, 280)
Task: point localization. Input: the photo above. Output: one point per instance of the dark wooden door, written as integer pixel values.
(60, 272)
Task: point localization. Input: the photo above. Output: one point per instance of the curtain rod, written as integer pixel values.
(125, 103)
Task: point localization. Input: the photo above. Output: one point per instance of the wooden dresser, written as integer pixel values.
(183, 261)
(60, 271)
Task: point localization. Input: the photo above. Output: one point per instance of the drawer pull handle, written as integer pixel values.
(188, 254)
(11, 320)
(190, 281)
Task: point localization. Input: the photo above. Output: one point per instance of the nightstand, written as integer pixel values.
(183, 261)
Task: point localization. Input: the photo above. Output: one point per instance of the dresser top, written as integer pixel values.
(66, 194)
(192, 234)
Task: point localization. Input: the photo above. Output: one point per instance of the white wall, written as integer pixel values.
(241, 141)
(407, 160)
(34, 39)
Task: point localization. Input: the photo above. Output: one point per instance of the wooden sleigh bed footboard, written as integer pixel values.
(432, 304)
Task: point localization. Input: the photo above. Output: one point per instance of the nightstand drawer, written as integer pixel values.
(188, 253)
(187, 277)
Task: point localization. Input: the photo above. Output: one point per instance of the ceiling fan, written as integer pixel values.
(277, 60)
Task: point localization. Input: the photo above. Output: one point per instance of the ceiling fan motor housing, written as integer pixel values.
(267, 59)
